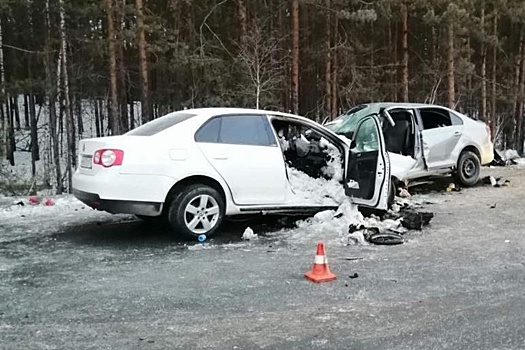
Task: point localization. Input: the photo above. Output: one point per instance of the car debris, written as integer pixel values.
(415, 220)
(453, 187)
(507, 157)
(495, 182)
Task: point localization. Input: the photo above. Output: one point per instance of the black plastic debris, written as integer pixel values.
(355, 275)
(415, 220)
(495, 181)
(499, 158)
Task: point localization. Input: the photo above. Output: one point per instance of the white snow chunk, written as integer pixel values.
(248, 235)
(314, 191)
(334, 166)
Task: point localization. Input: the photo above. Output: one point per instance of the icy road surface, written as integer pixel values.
(76, 279)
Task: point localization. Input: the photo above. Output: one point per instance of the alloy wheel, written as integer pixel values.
(201, 214)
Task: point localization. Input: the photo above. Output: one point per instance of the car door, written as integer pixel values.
(440, 134)
(367, 179)
(243, 150)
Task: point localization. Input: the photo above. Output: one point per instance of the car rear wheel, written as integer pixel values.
(197, 210)
(469, 167)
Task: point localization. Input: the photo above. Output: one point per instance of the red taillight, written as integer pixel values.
(489, 131)
(108, 157)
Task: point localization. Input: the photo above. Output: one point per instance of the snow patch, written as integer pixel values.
(248, 235)
(315, 191)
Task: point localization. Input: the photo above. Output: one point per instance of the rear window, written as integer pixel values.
(155, 126)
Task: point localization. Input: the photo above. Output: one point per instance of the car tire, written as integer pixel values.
(197, 210)
(469, 168)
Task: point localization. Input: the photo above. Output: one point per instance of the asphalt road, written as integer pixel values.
(458, 284)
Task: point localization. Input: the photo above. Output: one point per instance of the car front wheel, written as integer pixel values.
(469, 167)
(197, 210)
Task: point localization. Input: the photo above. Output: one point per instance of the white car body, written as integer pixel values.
(250, 178)
(436, 149)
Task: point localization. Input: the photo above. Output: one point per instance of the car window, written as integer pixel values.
(155, 126)
(209, 132)
(456, 120)
(237, 130)
(367, 138)
(435, 118)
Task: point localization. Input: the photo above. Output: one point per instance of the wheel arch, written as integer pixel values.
(194, 180)
(470, 148)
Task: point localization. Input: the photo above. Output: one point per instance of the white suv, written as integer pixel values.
(425, 140)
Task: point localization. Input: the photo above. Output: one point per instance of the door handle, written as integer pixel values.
(457, 133)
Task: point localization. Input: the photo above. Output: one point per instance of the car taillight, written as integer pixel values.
(489, 131)
(108, 157)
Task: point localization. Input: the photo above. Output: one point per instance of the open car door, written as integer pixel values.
(368, 166)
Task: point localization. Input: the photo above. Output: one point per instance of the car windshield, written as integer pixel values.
(155, 126)
(347, 122)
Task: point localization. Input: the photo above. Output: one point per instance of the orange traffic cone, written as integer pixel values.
(320, 271)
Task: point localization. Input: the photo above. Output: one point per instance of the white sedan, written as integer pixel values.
(195, 167)
(425, 140)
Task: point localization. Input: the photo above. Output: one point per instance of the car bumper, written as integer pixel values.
(487, 154)
(126, 194)
(118, 206)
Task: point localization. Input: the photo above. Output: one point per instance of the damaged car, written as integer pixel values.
(425, 141)
(193, 168)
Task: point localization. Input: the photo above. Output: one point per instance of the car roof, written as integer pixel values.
(214, 111)
(401, 104)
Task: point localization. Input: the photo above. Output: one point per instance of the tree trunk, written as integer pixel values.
(26, 112)
(519, 139)
(483, 73)
(404, 45)
(131, 112)
(35, 151)
(334, 71)
(147, 114)
(243, 23)
(16, 112)
(451, 94)
(4, 125)
(51, 91)
(328, 61)
(468, 78)
(97, 119)
(11, 137)
(123, 98)
(113, 105)
(70, 123)
(295, 56)
(101, 111)
(493, 114)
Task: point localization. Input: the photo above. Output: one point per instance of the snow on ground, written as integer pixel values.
(19, 219)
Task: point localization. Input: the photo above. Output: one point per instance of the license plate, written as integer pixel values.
(86, 162)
